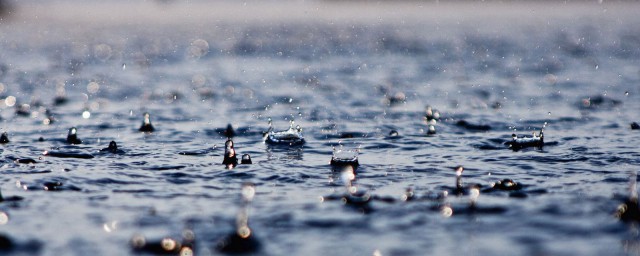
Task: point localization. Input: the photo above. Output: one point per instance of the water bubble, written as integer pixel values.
(198, 80)
(94, 106)
(168, 244)
(446, 211)
(198, 48)
(138, 241)
(229, 89)
(93, 87)
(10, 101)
(186, 251)
(102, 51)
(4, 218)
(188, 235)
(244, 231)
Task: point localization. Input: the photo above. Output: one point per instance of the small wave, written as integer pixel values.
(165, 167)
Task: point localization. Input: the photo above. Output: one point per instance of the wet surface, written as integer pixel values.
(361, 82)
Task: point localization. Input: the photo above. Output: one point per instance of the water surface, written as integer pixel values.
(348, 74)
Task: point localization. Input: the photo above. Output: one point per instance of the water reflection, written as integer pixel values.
(629, 210)
(49, 117)
(472, 191)
(242, 240)
(164, 246)
(342, 157)
(289, 153)
(9, 198)
(353, 195)
(6, 243)
(460, 189)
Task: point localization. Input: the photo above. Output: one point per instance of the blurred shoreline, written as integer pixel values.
(115, 13)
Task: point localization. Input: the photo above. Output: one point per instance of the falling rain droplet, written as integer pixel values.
(124, 67)
(626, 93)
(549, 113)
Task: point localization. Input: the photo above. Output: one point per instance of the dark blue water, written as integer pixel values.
(345, 81)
